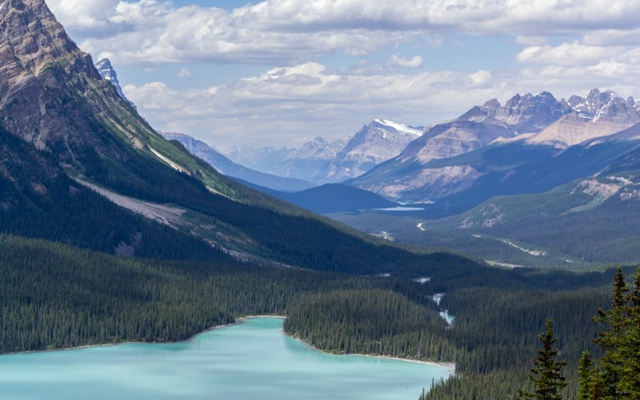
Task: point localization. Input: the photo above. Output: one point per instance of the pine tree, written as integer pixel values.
(611, 341)
(629, 383)
(547, 374)
(617, 375)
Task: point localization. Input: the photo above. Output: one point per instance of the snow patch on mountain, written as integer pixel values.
(108, 73)
(600, 114)
(374, 143)
(399, 127)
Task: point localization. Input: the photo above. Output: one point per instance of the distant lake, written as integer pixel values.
(249, 360)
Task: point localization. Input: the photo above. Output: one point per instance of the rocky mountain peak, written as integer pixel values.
(36, 59)
(526, 113)
(32, 39)
(605, 106)
(108, 73)
(52, 96)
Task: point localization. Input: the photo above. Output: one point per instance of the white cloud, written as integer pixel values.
(480, 78)
(567, 54)
(397, 60)
(86, 16)
(308, 100)
(288, 105)
(531, 40)
(284, 32)
(301, 98)
(184, 73)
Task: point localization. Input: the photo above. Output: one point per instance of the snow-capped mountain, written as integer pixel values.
(450, 157)
(376, 142)
(599, 114)
(227, 167)
(108, 73)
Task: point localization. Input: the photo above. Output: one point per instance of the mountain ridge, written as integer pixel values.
(426, 170)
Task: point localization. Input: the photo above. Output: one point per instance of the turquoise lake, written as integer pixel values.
(249, 360)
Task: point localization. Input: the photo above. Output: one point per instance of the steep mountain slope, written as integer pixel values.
(66, 130)
(227, 167)
(376, 142)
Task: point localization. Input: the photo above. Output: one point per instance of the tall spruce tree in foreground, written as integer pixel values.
(617, 375)
(547, 373)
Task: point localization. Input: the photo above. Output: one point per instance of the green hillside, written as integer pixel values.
(584, 224)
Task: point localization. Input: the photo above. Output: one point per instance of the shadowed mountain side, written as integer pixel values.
(332, 198)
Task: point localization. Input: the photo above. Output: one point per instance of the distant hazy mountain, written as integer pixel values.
(260, 159)
(494, 142)
(376, 142)
(302, 163)
(321, 162)
(227, 167)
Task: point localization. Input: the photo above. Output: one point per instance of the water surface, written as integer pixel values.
(250, 360)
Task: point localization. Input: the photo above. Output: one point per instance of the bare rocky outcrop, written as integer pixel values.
(51, 95)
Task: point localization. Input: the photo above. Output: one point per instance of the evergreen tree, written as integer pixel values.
(547, 374)
(611, 341)
(630, 346)
(617, 375)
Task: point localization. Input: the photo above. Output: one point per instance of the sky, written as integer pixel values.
(282, 72)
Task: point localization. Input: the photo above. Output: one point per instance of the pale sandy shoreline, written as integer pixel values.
(239, 320)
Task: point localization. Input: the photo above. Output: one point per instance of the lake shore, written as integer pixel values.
(239, 320)
(449, 366)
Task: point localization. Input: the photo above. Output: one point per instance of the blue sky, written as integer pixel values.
(280, 72)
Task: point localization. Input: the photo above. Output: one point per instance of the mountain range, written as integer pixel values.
(488, 148)
(563, 195)
(323, 162)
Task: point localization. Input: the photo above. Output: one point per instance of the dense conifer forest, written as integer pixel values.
(55, 296)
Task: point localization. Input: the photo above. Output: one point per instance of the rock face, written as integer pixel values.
(528, 113)
(599, 114)
(51, 94)
(107, 72)
(376, 142)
